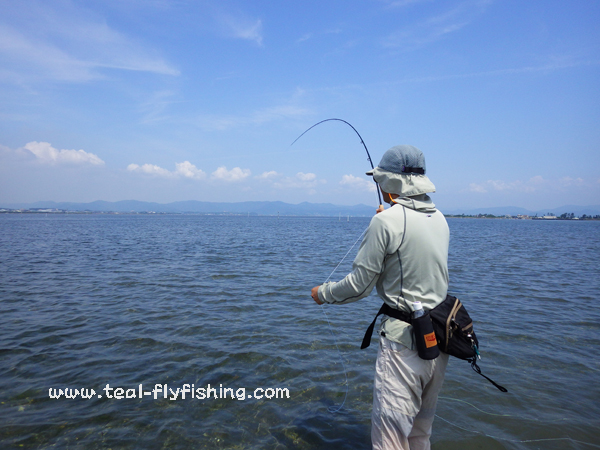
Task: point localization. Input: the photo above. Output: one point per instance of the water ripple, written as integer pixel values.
(93, 300)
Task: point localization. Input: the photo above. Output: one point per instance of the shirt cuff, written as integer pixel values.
(321, 293)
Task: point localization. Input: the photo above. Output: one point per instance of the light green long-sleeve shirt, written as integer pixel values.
(404, 254)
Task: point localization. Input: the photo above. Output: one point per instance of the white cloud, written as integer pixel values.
(568, 181)
(307, 182)
(45, 153)
(301, 180)
(306, 176)
(538, 179)
(235, 174)
(188, 170)
(357, 183)
(547, 68)
(243, 28)
(259, 117)
(268, 175)
(154, 108)
(474, 187)
(500, 185)
(150, 169)
(436, 27)
(402, 3)
(308, 36)
(185, 169)
(534, 184)
(277, 112)
(68, 43)
(304, 37)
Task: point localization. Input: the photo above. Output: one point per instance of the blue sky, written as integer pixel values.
(200, 100)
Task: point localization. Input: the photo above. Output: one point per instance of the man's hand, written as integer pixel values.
(380, 209)
(314, 293)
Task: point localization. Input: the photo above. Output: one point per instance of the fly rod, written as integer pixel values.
(361, 141)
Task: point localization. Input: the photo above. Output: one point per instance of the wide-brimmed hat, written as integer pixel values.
(402, 171)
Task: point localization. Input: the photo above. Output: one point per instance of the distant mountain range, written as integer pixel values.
(275, 208)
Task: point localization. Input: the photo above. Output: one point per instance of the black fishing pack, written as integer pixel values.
(453, 329)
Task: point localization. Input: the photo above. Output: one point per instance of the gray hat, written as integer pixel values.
(402, 171)
(402, 159)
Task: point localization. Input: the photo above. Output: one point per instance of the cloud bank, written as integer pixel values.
(359, 184)
(534, 184)
(45, 153)
(303, 181)
(235, 174)
(188, 170)
(182, 170)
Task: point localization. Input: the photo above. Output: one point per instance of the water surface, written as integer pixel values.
(90, 300)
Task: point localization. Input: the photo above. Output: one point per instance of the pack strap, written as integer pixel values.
(476, 368)
(405, 317)
(388, 311)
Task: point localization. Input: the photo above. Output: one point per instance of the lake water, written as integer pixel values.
(91, 300)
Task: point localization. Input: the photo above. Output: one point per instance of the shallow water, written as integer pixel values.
(92, 300)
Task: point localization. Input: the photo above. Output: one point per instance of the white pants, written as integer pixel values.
(404, 397)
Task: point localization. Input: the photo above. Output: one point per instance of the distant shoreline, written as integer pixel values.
(40, 211)
(273, 208)
(485, 216)
(523, 217)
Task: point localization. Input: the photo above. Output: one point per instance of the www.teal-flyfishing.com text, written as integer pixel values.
(163, 391)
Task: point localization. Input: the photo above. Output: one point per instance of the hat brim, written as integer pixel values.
(403, 184)
(370, 172)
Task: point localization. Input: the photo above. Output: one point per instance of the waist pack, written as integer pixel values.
(453, 329)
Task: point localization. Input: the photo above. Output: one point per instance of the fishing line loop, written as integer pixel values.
(333, 409)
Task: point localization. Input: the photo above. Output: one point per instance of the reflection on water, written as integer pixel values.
(88, 301)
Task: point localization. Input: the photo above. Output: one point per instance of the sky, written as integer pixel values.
(165, 101)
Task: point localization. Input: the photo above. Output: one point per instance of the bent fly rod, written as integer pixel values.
(331, 408)
(361, 141)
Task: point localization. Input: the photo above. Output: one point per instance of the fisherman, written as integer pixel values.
(404, 254)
